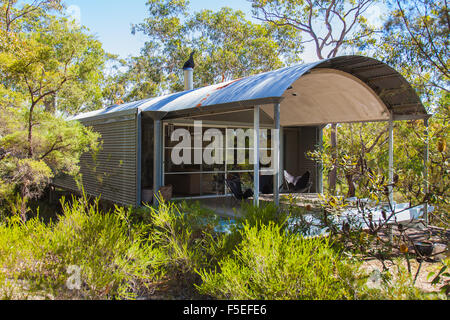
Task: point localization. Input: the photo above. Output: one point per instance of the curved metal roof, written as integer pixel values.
(269, 87)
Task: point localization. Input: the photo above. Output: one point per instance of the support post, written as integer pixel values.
(320, 165)
(256, 156)
(276, 155)
(391, 160)
(157, 162)
(281, 158)
(425, 170)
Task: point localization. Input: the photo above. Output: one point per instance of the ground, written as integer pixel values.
(422, 282)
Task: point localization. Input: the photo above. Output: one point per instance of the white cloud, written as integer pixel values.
(74, 13)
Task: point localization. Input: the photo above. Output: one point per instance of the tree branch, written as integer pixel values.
(54, 148)
(421, 49)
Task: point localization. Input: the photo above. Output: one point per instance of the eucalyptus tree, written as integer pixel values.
(227, 46)
(11, 13)
(415, 41)
(48, 67)
(328, 25)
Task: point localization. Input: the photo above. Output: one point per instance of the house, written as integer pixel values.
(292, 105)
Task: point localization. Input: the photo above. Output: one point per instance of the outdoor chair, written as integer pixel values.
(300, 184)
(235, 186)
(266, 184)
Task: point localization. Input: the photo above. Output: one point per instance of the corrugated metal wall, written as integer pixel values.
(113, 174)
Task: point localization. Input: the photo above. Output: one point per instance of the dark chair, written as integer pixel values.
(266, 184)
(235, 186)
(299, 184)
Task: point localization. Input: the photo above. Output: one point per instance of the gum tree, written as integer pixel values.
(328, 25)
(227, 45)
(49, 67)
(415, 41)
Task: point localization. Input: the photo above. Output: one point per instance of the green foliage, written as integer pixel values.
(442, 276)
(262, 215)
(55, 64)
(127, 253)
(414, 41)
(176, 241)
(227, 45)
(13, 13)
(361, 158)
(141, 79)
(186, 241)
(421, 39)
(112, 259)
(57, 142)
(362, 163)
(48, 67)
(269, 264)
(57, 147)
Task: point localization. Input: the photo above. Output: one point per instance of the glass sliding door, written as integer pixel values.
(198, 160)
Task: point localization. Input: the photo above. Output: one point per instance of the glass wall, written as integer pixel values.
(198, 159)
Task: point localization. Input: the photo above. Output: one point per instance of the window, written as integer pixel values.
(198, 159)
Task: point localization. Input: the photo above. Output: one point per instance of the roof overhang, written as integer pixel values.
(330, 96)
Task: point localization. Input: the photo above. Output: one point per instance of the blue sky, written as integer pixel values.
(110, 20)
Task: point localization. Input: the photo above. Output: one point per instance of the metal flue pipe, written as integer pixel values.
(188, 79)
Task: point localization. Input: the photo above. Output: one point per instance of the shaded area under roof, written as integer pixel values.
(270, 87)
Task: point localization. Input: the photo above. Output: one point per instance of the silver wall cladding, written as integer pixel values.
(112, 175)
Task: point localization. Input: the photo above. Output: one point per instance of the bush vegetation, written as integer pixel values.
(176, 250)
(101, 252)
(269, 264)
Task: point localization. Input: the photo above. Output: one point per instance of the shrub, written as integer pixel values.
(270, 264)
(442, 276)
(185, 240)
(251, 215)
(113, 257)
(108, 256)
(262, 215)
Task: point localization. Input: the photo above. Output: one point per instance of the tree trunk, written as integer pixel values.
(30, 132)
(351, 185)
